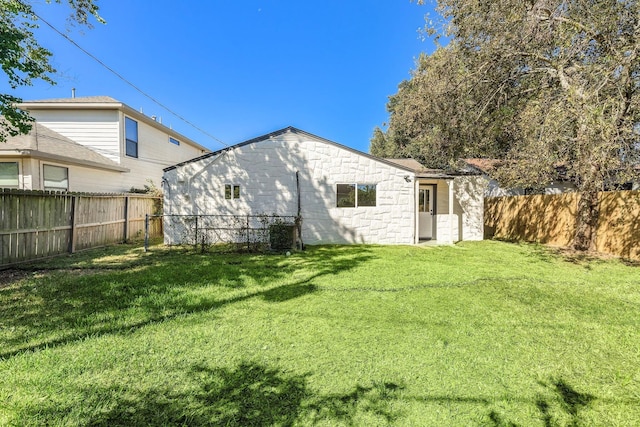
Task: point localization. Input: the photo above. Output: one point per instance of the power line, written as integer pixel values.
(124, 79)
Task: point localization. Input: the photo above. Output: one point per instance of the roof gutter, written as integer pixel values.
(55, 157)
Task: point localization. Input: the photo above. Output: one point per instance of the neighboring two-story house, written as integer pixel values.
(91, 144)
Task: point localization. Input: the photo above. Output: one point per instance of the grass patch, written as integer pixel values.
(485, 333)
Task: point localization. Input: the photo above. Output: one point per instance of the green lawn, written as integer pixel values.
(486, 333)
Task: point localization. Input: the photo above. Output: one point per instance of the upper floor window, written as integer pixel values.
(9, 175)
(174, 141)
(131, 137)
(354, 195)
(56, 178)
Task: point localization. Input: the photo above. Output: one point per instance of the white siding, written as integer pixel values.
(96, 129)
(155, 153)
(266, 172)
(101, 130)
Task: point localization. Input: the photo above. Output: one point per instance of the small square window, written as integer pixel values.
(346, 196)
(231, 191)
(56, 178)
(366, 194)
(9, 175)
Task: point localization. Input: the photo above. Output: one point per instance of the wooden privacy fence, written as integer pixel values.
(37, 224)
(551, 219)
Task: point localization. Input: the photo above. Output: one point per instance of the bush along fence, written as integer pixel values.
(551, 219)
(251, 233)
(38, 224)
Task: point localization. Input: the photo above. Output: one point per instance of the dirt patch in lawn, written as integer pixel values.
(9, 277)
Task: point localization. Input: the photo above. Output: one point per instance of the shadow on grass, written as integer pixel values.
(565, 398)
(252, 394)
(70, 300)
(248, 395)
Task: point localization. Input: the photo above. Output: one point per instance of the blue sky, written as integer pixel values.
(242, 69)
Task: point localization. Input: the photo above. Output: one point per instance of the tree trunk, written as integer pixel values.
(587, 221)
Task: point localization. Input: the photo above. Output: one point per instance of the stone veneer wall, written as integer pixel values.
(266, 173)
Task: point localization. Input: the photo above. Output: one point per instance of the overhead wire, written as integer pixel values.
(124, 79)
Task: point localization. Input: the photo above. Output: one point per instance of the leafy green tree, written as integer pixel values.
(541, 84)
(24, 60)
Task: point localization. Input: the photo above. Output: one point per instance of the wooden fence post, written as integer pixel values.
(146, 233)
(74, 218)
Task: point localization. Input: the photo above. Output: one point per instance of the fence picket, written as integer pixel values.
(551, 219)
(36, 224)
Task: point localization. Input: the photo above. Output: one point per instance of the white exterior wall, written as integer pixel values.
(493, 189)
(467, 220)
(468, 208)
(103, 131)
(155, 153)
(96, 129)
(266, 172)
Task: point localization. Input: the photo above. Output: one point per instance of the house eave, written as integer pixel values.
(63, 159)
(292, 129)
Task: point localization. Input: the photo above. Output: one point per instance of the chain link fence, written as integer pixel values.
(250, 233)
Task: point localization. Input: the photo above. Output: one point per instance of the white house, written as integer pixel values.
(343, 195)
(494, 189)
(91, 144)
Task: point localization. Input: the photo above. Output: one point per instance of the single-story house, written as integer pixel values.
(342, 195)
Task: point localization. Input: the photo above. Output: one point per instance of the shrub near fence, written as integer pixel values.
(551, 219)
(37, 224)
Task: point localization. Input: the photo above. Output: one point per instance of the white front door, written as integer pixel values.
(425, 212)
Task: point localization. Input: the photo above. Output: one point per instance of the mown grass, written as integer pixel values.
(485, 333)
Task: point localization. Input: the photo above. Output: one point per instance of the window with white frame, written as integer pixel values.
(174, 141)
(231, 191)
(131, 137)
(356, 195)
(56, 178)
(9, 175)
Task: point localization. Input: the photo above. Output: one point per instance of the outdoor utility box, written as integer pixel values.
(282, 236)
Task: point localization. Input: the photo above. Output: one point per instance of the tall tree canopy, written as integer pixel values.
(23, 59)
(538, 83)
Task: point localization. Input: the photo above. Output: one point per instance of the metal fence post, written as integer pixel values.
(248, 241)
(195, 237)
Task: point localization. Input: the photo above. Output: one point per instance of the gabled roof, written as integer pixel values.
(44, 143)
(291, 129)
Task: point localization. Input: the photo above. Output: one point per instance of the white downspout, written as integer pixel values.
(450, 185)
(416, 214)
